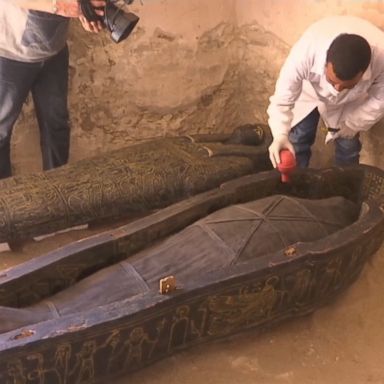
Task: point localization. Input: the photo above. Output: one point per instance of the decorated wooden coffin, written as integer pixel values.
(129, 181)
(248, 254)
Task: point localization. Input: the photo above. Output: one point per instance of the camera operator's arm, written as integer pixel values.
(67, 8)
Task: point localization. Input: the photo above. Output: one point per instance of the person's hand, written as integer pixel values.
(94, 26)
(344, 133)
(279, 142)
(91, 26)
(71, 8)
(329, 137)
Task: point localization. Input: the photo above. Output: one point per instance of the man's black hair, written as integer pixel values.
(349, 54)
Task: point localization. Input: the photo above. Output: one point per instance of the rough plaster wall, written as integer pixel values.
(176, 73)
(190, 66)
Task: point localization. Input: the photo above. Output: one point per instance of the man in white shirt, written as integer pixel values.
(336, 71)
(34, 58)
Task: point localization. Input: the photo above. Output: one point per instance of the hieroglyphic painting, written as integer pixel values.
(122, 347)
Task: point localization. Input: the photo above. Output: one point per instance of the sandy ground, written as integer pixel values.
(342, 343)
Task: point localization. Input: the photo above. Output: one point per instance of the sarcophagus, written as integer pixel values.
(248, 254)
(132, 180)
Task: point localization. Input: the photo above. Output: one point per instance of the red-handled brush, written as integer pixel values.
(287, 165)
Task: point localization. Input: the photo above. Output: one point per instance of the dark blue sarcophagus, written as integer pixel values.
(250, 253)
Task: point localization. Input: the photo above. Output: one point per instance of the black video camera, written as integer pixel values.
(119, 23)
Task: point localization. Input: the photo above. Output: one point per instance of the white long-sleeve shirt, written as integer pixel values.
(302, 85)
(28, 35)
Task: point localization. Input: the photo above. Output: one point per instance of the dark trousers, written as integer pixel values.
(48, 83)
(303, 134)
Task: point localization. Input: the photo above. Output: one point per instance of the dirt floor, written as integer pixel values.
(342, 343)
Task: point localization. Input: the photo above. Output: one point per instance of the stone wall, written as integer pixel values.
(190, 66)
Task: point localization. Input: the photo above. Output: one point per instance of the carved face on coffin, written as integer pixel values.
(229, 236)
